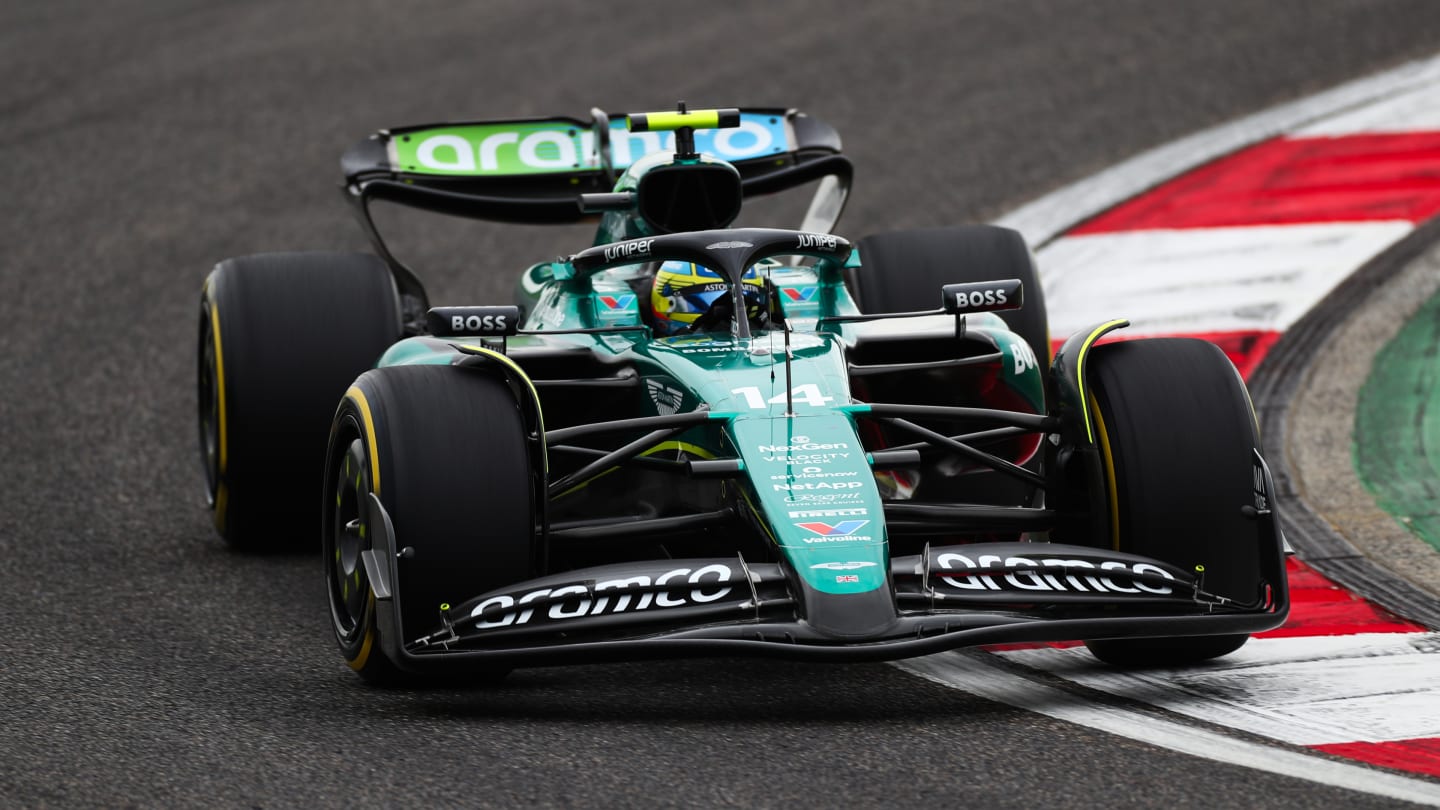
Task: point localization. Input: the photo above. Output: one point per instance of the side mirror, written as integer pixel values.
(982, 296)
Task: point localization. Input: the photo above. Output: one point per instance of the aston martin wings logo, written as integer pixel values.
(667, 400)
(842, 566)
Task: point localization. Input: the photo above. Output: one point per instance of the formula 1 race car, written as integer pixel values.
(696, 439)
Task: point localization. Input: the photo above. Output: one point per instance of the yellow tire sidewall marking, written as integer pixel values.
(362, 405)
(222, 494)
(1107, 464)
(1080, 370)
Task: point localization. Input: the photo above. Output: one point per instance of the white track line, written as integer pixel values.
(992, 683)
(1205, 280)
(1410, 111)
(1044, 219)
(1308, 690)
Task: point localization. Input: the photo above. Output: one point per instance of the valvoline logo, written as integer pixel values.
(617, 301)
(844, 527)
(799, 295)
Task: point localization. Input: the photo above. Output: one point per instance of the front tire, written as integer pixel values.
(1178, 438)
(447, 452)
(281, 336)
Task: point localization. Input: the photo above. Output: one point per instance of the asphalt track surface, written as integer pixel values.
(142, 663)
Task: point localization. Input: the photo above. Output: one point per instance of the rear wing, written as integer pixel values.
(533, 170)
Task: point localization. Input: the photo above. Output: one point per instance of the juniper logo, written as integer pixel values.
(815, 240)
(624, 250)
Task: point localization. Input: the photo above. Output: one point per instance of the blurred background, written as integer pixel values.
(145, 141)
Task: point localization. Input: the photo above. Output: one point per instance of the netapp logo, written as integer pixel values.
(801, 487)
(1049, 574)
(578, 600)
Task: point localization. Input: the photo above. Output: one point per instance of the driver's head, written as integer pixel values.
(683, 291)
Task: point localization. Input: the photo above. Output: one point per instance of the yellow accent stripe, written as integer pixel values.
(535, 395)
(662, 121)
(685, 446)
(1080, 369)
(1107, 463)
(692, 449)
(219, 377)
(358, 662)
(363, 405)
(759, 516)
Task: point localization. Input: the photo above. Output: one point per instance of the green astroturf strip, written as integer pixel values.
(1397, 425)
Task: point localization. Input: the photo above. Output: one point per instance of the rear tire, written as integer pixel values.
(445, 449)
(1178, 437)
(281, 336)
(903, 271)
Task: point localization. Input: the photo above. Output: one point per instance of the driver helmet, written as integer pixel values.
(683, 291)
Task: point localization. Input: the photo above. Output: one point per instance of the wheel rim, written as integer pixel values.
(209, 406)
(345, 540)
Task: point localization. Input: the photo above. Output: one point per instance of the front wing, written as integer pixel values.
(944, 598)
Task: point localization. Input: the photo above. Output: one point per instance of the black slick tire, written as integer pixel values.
(281, 337)
(446, 451)
(1178, 437)
(903, 271)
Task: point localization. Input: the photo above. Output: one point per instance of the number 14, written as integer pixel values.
(807, 393)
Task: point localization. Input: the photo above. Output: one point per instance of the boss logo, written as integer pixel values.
(984, 296)
(477, 323)
(488, 321)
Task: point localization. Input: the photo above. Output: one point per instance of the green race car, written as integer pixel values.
(690, 438)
